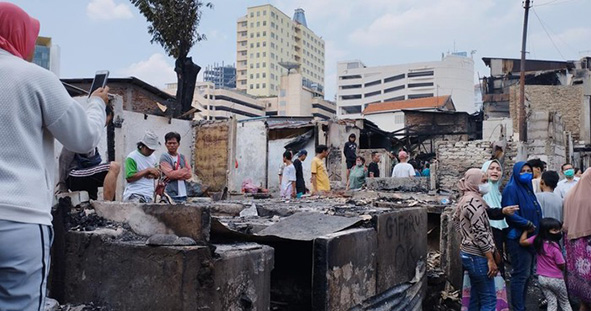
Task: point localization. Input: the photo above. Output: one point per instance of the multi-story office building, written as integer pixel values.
(47, 55)
(359, 86)
(268, 43)
(222, 103)
(221, 76)
(298, 100)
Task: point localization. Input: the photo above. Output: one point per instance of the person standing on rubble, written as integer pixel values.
(141, 170)
(350, 153)
(403, 169)
(373, 168)
(176, 168)
(519, 191)
(36, 109)
(477, 247)
(300, 182)
(358, 174)
(288, 185)
(320, 182)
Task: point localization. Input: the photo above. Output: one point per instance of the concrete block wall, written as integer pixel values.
(564, 99)
(546, 138)
(454, 159)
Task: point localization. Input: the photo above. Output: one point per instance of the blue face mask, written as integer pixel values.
(569, 173)
(526, 177)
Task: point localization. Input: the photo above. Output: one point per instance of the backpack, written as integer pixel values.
(88, 160)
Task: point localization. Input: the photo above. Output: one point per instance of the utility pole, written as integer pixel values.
(521, 110)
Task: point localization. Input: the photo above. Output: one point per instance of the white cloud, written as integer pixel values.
(107, 10)
(424, 24)
(156, 70)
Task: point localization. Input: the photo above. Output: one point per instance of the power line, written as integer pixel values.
(554, 2)
(572, 50)
(548, 34)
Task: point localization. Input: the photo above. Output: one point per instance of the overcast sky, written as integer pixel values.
(112, 34)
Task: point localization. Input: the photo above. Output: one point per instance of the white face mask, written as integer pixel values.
(484, 188)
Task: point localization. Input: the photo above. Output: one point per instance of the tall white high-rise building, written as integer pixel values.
(358, 85)
(269, 42)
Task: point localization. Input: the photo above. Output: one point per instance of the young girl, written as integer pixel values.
(550, 262)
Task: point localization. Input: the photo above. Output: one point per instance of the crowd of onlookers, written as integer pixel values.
(542, 221)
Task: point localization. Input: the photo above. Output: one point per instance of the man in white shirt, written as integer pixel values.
(403, 169)
(141, 170)
(288, 182)
(566, 184)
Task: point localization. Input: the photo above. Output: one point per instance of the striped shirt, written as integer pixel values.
(477, 237)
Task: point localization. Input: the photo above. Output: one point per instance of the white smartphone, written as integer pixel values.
(100, 80)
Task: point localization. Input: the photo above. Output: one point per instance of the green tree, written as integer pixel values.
(173, 24)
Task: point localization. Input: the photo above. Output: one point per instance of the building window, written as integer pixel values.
(420, 96)
(373, 93)
(264, 43)
(251, 14)
(258, 44)
(264, 75)
(264, 13)
(373, 83)
(264, 64)
(411, 85)
(282, 93)
(252, 45)
(251, 86)
(348, 97)
(258, 24)
(251, 76)
(258, 85)
(258, 65)
(393, 99)
(396, 88)
(258, 54)
(394, 78)
(351, 109)
(264, 85)
(264, 33)
(264, 23)
(257, 76)
(251, 66)
(350, 77)
(264, 54)
(258, 34)
(399, 118)
(420, 74)
(258, 13)
(282, 103)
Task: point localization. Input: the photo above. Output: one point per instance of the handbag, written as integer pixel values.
(500, 288)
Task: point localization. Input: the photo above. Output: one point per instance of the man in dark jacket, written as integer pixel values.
(300, 182)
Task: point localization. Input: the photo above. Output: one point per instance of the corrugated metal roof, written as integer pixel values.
(418, 103)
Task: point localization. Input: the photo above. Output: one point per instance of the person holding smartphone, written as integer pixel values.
(36, 109)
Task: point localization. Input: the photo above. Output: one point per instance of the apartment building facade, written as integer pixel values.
(359, 86)
(269, 44)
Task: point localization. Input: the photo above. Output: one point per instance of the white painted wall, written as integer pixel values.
(491, 128)
(387, 120)
(251, 146)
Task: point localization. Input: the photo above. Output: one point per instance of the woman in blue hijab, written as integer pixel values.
(519, 191)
